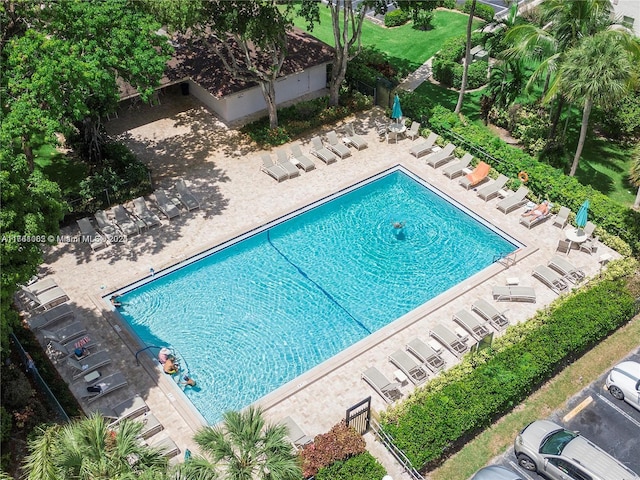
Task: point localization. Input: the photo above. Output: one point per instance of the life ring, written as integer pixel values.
(523, 177)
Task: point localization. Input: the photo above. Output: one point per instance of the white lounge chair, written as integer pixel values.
(470, 323)
(550, 278)
(58, 349)
(40, 286)
(414, 371)
(106, 227)
(562, 217)
(124, 221)
(50, 317)
(490, 314)
(566, 269)
(165, 204)
(283, 161)
(456, 169)
(336, 146)
(533, 220)
(424, 146)
(150, 425)
(414, 131)
(449, 340)
(88, 364)
(147, 216)
(276, 172)
(89, 234)
(65, 334)
(107, 385)
(427, 355)
(295, 434)
(166, 446)
(303, 161)
(491, 190)
(513, 293)
(354, 139)
(440, 157)
(46, 299)
(513, 201)
(185, 196)
(389, 391)
(130, 408)
(320, 151)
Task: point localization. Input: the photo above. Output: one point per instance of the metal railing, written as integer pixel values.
(505, 258)
(32, 370)
(398, 454)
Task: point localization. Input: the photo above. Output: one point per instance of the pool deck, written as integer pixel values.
(180, 138)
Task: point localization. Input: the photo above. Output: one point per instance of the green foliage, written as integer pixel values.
(422, 20)
(339, 443)
(415, 106)
(396, 17)
(122, 178)
(359, 467)
(16, 389)
(447, 66)
(527, 123)
(5, 424)
(369, 65)
(302, 117)
(544, 180)
(622, 120)
(437, 419)
(483, 11)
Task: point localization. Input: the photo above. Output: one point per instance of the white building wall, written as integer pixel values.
(628, 8)
(248, 102)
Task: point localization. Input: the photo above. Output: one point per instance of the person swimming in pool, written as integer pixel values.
(188, 381)
(115, 302)
(170, 366)
(398, 225)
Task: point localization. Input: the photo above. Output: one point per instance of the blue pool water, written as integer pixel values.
(255, 315)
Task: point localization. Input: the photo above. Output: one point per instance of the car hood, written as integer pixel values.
(533, 434)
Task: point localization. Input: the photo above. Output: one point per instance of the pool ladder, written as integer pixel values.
(507, 259)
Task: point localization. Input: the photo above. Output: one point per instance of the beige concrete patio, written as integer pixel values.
(180, 138)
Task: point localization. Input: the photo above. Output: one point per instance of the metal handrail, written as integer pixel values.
(398, 454)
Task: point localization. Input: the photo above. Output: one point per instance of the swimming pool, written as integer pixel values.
(251, 316)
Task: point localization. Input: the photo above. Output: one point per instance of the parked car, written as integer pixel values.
(623, 383)
(496, 472)
(559, 454)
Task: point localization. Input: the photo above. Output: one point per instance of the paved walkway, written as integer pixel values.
(181, 138)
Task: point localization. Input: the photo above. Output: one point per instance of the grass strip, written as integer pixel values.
(552, 396)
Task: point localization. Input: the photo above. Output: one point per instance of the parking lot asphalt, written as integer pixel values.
(611, 424)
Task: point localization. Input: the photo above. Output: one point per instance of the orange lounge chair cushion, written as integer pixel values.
(479, 173)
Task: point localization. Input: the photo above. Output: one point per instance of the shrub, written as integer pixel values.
(395, 18)
(482, 11)
(447, 63)
(415, 106)
(422, 20)
(340, 443)
(360, 467)
(438, 418)
(444, 71)
(544, 180)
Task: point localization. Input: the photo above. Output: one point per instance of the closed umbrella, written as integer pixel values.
(581, 216)
(396, 112)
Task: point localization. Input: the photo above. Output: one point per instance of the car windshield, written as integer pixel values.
(554, 443)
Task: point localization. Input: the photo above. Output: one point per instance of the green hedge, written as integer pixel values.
(395, 18)
(360, 467)
(544, 180)
(482, 11)
(447, 68)
(435, 421)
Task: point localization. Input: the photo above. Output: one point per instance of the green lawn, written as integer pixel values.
(406, 47)
(449, 98)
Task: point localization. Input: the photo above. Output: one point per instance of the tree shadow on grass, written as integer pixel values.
(449, 98)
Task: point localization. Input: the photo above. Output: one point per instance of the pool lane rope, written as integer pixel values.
(326, 294)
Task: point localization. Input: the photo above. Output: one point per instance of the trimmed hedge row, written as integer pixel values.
(544, 180)
(437, 420)
(360, 467)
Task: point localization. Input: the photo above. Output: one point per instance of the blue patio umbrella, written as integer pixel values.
(581, 216)
(396, 111)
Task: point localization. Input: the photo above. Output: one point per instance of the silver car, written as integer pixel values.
(496, 472)
(623, 383)
(559, 454)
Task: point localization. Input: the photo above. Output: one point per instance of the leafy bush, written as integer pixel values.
(444, 71)
(340, 443)
(482, 11)
(369, 65)
(437, 419)
(395, 18)
(422, 20)
(415, 106)
(622, 121)
(447, 66)
(360, 467)
(544, 180)
(121, 178)
(5, 425)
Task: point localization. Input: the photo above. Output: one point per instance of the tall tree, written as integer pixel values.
(467, 58)
(244, 447)
(597, 71)
(347, 18)
(634, 174)
(89, 449)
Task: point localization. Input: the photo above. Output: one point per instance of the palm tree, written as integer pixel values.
(243, 447)
(597, 71)
(634, 173)
(467, 58)
(89, 449)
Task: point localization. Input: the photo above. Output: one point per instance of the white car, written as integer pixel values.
(623, 382)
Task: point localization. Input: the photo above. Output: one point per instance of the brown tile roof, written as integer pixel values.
(192, 58)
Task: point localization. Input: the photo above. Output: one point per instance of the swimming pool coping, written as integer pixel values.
(316, 373)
